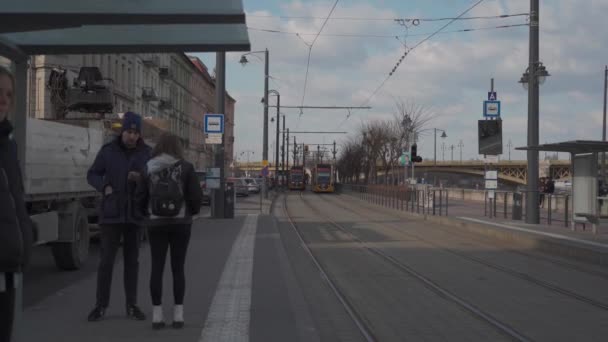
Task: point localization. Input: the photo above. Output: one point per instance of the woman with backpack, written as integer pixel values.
(169, 195)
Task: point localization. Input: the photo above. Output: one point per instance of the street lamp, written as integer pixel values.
(244, 62)
(248, 163)
(541, 75)
(443, 136)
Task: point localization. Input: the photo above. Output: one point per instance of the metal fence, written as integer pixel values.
(422, 200)
(426, 200)
(555, 209)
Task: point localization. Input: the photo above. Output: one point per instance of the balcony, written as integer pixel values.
(165, 73)
(151, 61)
(165, 104)
(148, 94)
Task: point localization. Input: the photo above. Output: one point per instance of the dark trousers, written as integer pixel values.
(7, 308)
(110, 242)
(175, 237)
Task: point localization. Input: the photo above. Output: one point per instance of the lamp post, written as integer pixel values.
(535, 75)
(443, 136)
(276, 147)
(248, 162)
(244, 62)
(407, 131)
(283, 148)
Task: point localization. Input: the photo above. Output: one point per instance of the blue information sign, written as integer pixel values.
(214, 123)
(491, 108)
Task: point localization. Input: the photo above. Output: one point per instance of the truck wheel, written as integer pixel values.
(71, 256)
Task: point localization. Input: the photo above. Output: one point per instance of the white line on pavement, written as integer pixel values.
(556, 236)
(229, 315)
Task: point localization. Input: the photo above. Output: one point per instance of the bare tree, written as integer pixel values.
(381, 143)
(411, 120)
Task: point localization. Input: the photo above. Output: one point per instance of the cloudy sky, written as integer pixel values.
(449, 74)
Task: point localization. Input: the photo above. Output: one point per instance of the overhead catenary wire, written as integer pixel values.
(354, 35)
(477, 3)
(489, 17)
(310, 51)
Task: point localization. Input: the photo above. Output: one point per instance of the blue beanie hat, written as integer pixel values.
(131, 121)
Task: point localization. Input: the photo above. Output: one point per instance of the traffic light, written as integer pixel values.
(415, 158)
(490, 137)
(305, 148)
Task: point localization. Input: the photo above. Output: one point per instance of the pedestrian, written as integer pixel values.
(541, 189)
(549, 189)
(16, 234)
(169, 195)
(115, 172)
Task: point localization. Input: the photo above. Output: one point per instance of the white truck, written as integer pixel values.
(60, 201)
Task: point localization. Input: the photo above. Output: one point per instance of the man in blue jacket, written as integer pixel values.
(115, 172)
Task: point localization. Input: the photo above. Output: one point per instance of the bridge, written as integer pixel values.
(514, 172)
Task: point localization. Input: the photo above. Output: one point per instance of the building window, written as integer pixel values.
(116, 71)
(129, 83)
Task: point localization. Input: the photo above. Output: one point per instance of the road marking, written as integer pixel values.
(229, 315)
(556, 236)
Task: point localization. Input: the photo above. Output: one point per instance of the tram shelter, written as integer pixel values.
(585, 178)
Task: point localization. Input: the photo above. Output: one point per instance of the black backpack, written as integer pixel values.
(166, 192)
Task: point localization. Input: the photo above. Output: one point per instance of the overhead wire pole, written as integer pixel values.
(283, 148)
(532, 207)
(276, 164)
(220, 98)
(604, 124)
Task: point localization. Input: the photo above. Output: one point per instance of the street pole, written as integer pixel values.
(220, 98)
(452, 148)
(461, 145)
(319, 154)
(276, 166)
(435, 156)
(532, 207)
(265, 142)
(283, 148)
(295, 151)
(509, 145)
(287, 148)
(604, 125)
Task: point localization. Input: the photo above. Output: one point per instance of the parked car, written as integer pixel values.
(241, 187)
(252, 185)
(202, 180)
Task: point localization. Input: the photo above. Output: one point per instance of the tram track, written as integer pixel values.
(469, 307)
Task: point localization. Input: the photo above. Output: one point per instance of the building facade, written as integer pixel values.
(172, 90)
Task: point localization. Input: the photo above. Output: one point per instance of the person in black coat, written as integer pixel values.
(115, 172)
(16, 234)
(169, 195)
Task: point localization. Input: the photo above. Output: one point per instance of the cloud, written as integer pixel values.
(450, 73)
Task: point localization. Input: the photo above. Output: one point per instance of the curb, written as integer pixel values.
(551, 245)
